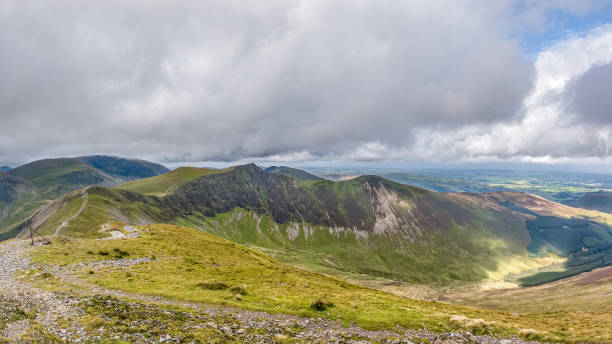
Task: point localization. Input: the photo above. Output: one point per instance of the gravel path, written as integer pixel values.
(57, 314)
(65, 222)
(49, 308)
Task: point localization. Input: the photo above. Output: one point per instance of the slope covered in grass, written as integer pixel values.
(167, 183)
(189, 265)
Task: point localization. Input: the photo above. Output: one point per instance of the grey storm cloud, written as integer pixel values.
(227, 80)
(590, 97)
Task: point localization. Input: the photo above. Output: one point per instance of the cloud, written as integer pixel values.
(230, 80)
(589, 96)
(559, 124)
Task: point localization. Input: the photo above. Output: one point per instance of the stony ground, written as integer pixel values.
(90, 314)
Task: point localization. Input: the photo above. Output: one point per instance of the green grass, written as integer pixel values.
(166, 183)
(186, 259)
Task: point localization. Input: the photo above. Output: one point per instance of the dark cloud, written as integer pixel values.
(590, 96)
(225, 80)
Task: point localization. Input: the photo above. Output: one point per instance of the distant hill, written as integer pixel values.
(122, 168)
(292, 172)
(55, 177)
(166, 183)
(24, 189)
(367, 226)
(4, 168)
(600, 200)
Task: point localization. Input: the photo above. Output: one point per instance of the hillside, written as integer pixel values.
(27, 188)
(292, 172)
(4, 168)
(166, 283)
(600, 200)
(368, 226)
(167, 183)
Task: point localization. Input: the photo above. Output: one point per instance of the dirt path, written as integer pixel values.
(65, 223)
(58, 314)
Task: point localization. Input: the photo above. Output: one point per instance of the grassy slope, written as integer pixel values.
(188, 260)
(104, 205)
(166, 183)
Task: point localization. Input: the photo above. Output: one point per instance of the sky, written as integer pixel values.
(380, 82)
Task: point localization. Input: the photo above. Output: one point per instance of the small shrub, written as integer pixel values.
(119, 253)
(92, 322)
(63, 239)
(90, 252)
(91, 272)
(46, 275)
(321, 305)
(103, 253)
(212, 285)
(238, 290)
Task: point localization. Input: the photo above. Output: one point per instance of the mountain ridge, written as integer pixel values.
(367, 225)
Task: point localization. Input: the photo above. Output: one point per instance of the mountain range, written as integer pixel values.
(366, 226)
